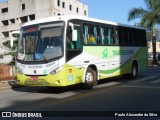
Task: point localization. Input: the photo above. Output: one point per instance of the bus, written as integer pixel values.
(67, 50)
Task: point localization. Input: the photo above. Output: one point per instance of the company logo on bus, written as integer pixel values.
(34, 71)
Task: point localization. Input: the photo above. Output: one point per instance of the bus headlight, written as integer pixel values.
(19, 70)
(56, 70)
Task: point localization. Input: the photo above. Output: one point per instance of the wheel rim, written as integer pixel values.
(89, 77)
(134, 71)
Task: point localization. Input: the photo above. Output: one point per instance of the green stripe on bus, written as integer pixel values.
(113, 70)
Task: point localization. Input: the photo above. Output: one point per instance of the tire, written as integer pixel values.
(90, 79)
(134, 72)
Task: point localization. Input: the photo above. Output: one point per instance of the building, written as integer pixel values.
(150, 49)
(158, 35)
(16, 12)
(149, 38)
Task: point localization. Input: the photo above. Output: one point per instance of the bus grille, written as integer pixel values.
(41, 82)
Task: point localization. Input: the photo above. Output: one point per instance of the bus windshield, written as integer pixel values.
(41, 42)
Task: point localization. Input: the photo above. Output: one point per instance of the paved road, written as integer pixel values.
(118, 94)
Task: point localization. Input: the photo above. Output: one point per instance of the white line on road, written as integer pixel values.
(149, 74)
(66, 94)
(107, 84)
(75, 92)
(156, 81)
(148, 87)
(144, 79)
(61, 95)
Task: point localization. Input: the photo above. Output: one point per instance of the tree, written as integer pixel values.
(7, 44)
(13, 50)
(150, 17)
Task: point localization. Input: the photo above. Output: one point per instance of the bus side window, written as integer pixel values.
(72, 45)
(77, 44)
(108, 33)
(112, 39)
(126, 37)
(97, 34)
(137, 39)
(116, 37)
(122, 37)
(143, 38)
(68, 39)
(85, 34)
(131, 37)
(103, 37)
(92, 34)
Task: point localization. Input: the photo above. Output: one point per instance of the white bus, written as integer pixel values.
(68, 50)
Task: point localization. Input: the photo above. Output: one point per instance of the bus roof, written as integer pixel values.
(70, 17)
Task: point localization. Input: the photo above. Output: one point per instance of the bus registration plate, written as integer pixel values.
(35, 78)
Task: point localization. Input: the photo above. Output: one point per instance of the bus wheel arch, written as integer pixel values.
(90, 79)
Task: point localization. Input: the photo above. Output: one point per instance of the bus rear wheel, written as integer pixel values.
(134, 72)
(90, 78)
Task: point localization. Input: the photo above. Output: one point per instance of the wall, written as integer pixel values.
(150, 49)
(7, 71)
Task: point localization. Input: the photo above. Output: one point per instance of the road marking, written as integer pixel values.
(35, 91)
(64, 95)
(106, 85)
(144, 79)
(149, 74)
(76, 92)
(156, 81)
(147, 87)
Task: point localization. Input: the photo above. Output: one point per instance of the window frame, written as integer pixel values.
(4, 10)
(129, 31)
(63, 4)
(23, 6)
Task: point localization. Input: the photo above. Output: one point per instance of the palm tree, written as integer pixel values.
(150, 17)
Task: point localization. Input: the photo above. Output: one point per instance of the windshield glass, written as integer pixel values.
(41, 42)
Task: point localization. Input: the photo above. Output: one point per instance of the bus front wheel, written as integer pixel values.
(90, 78)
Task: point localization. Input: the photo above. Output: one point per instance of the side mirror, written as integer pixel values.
(14, 34)
(74, 35)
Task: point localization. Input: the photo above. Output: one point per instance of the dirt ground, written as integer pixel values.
(6, 73)
(7, 78)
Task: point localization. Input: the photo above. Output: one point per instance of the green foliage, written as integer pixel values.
(150, 17)
(11, 53)
(7, 44)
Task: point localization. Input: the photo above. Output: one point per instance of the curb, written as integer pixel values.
(8, 84)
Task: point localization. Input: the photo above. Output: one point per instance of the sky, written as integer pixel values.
(2, 0)
(113, 10)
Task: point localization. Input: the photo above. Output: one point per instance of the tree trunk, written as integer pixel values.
(154, 45)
